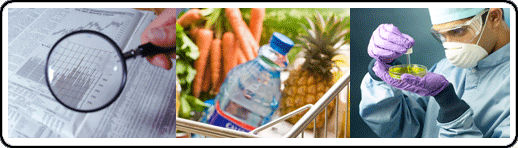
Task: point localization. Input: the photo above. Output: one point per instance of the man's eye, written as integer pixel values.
(457, 32)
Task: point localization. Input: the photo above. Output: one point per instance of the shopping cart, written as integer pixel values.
(189, 126)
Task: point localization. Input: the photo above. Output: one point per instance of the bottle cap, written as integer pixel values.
(281, 43)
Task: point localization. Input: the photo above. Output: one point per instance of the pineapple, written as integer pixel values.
(309, 82)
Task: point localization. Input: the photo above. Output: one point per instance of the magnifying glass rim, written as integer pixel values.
(119, 52)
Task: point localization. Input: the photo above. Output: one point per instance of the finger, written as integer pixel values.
(410, 78)
(382, 48)
(166, 18)
(410, 40)
(418, 90)
(169, 15)
(390, 41)
(144, 36)
(162, 36)
(436, 79)
(171, 35)
(413, 80)
(380, 54)
(389, 28)
(160, 60)
(392, 34)
(381, 70)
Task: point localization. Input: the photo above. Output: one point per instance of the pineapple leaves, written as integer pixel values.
(324, 36)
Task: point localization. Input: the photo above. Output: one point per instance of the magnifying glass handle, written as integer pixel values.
(147, 50)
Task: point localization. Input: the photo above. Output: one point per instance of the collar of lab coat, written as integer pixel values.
(497, 57)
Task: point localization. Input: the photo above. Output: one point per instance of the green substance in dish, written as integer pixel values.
(415, 69)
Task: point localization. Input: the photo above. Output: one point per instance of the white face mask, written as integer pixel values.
(464, 55)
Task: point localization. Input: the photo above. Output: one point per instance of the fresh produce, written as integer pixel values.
(210, 43)
(205, 87)
(215, 63)
(177, 96)
(204, 39)
(308, 83)
(288, 22)
(224, 40)
(241, 58)
(245, 38)
(228, 52)
(187, 52)
(189, 17)
(194, 32)
(256, 25)
(238, 30)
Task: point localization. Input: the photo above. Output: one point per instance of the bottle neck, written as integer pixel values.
(271, 59)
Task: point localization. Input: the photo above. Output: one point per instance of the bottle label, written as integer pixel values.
(219, 118)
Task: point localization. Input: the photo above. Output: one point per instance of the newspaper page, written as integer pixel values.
(146, 107)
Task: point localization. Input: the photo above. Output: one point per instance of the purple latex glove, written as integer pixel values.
(429, 85)
(387, 43)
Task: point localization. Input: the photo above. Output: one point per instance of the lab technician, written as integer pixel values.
(466, 94)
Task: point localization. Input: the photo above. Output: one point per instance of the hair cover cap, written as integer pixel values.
(444, 15)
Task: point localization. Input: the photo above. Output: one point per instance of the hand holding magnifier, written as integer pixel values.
(86, 70)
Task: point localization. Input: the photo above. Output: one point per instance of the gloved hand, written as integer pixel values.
(387, 43)
(161, 32)
(429, 85)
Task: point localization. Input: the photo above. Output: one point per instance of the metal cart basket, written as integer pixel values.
(195, 127)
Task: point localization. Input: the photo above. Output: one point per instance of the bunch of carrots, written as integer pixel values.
(224, 40)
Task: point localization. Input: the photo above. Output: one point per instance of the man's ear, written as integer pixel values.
(495, 17)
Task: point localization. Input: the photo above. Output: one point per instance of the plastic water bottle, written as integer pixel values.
(251, 91)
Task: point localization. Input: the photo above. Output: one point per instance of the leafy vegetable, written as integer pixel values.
(189, 103)
(288, 22)
(187, 52)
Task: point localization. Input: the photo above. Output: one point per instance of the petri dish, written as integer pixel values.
(413, 69)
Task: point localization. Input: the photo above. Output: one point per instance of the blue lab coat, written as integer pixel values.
(391, 112)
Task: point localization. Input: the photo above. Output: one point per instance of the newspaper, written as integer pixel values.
(145, 108)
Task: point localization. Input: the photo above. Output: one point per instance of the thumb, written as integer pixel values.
(162, 36)
(160, 60)
(169, 17)
(411, 79)
(408, 40)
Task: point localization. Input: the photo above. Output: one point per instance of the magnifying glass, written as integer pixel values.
(86, 70)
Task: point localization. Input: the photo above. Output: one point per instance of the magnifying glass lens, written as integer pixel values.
(85, 71)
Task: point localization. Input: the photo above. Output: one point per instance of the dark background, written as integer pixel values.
(414, 22)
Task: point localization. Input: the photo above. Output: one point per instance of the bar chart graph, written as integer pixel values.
(75, 69)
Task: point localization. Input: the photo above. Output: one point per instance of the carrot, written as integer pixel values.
(238, 55)
(193, 32)
(256, 22)
(242, 32)
(241, 57)
(228, 46)
(215, 62)
(189, 17)
(245, 49)
(206, 83)
(203, 41)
